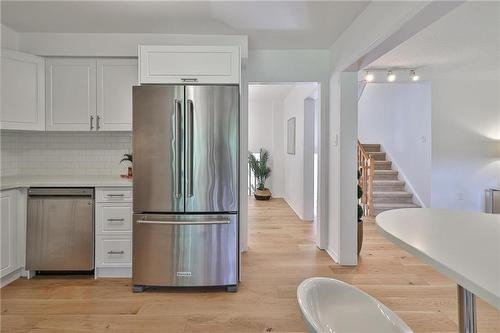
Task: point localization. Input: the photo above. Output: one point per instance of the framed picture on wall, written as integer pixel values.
(290, 136)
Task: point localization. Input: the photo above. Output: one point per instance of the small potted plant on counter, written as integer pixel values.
(128, 158)
(261, 172)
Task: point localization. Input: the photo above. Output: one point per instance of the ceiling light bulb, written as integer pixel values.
(369, 77)
(414, 76)
(391, 77)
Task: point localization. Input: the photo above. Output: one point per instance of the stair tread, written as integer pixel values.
(395, 205)
(386, 171)
(387, 181)
(392, 193)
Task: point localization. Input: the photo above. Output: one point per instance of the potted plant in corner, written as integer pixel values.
(360, 216)
(261, 171)
(128, 158)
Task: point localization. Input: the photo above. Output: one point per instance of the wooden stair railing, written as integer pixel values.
(366, 165)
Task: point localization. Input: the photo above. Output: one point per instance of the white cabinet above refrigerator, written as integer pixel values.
(189, 64)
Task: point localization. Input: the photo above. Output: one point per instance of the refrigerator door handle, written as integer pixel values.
(189, 148)
(174, 222)
(178, 148)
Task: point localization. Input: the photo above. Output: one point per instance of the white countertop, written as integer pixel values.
(464, 246)
(62, 181)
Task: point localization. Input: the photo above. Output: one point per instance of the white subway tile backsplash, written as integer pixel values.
(65, 153)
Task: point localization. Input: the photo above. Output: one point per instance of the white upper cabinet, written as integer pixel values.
(22, 91)
(70, 94)
(189, 64)
(115, 78)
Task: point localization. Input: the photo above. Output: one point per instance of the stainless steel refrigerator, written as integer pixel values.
(185, 186)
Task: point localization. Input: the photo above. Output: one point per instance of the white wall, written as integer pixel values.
(294, 105)
(116, 44)
(265, 130)
(9, 38)
(65, 153)
(466, 141)
(398, 116)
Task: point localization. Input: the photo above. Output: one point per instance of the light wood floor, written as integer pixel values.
(281, 254)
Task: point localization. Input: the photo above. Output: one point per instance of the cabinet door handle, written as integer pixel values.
(116, 252)
(97, 124)
(91, 123)
(115, 195)
(115, 220)
(189, 80)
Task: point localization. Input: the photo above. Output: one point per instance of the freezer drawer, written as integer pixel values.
(185, 250)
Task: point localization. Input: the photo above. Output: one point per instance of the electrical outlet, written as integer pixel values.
(460, 196)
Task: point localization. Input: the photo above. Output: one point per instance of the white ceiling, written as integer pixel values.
(467, 38)
(269, 25)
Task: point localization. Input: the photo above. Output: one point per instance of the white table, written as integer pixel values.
(464, 246)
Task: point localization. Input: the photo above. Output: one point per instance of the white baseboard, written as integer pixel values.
(11, 277)
(332, 254)
(296, 213)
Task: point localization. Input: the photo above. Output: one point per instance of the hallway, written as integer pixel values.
(281, 254)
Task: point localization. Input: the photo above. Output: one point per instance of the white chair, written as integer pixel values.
(333, 306)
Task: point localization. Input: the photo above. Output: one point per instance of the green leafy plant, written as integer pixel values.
(360, 194)
(127, 157)
(259, 167)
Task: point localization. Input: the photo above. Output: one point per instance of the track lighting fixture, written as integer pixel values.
(414, 76)
(391, 77)
(369, 77)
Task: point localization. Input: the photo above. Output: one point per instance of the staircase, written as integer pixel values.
(388, 191)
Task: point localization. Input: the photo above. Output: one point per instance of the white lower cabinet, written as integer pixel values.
(113, 232)
(12, 235)
(114, 250)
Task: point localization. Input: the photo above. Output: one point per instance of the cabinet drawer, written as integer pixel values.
(113, 251)
(114, 194)
(113, 217)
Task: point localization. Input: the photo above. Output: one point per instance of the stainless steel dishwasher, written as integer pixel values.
(60, 230)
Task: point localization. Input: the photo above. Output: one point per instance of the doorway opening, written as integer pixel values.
(283, 123)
